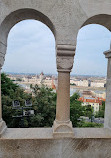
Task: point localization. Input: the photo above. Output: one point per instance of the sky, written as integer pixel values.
(31, 49)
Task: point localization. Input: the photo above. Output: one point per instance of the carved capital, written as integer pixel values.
(64, 63)
(65, 57)
(107, 54)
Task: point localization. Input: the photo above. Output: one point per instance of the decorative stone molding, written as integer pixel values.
(65, 57)
(107, 54)
(63, 129)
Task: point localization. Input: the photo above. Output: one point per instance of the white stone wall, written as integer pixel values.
(83, 83)
(97, 84)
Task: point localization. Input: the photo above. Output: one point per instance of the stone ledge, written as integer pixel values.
(47, 133)
(55, 148)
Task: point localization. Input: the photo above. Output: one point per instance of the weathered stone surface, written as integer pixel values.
(107, 121)
(62, 124)
(31, 143)
(59, 148)
(64, 18)
(62, 129)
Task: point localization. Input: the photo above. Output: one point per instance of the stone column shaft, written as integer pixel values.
(65, 58)
(0, 98)
(63, 97)
(3, 48)
(107, 118)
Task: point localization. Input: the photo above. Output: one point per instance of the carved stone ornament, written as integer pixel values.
(65, 57)
(65, 63)
(107, 54)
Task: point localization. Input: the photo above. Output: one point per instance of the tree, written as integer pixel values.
(76, 109)
(88, 111)
(44, 102)
(91, 124)
(7, 86)
(101, 111)
(9, 92)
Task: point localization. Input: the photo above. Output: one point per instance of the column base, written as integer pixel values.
(3, 127)
(62, 129)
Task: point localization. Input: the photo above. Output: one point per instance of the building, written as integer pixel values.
(64, 18)
(94, 102)
(41, 77)
(87, 94)
(53, 84)
(98, 83)
(100, 94)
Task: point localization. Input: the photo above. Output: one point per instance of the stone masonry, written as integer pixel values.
(64, 18)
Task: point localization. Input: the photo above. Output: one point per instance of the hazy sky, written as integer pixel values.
(31, 49)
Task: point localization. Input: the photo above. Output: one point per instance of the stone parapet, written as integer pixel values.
(39, 143)
(107, 119)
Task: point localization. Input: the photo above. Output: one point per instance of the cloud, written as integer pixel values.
(93, 40)
(31, 48)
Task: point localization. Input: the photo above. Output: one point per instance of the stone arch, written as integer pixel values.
(15, 17)
(23, 14)
(5, 27)
(101, 19)
(104, 20)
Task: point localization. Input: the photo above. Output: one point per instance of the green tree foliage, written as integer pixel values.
(11, 91)
(88, 111)
(91, 124)
(44, 103)
(76, 109)
(101, 110)
(43, 100)
(7, 86)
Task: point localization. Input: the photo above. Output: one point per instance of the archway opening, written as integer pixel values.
(29, 98)
(88, 77)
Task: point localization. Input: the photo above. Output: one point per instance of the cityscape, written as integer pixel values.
(55, 79)
(92, 89)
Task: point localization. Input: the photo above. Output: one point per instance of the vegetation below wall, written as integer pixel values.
(44, 106)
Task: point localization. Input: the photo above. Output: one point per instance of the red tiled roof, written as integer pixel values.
(92, 100)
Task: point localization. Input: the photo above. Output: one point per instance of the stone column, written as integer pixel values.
(107, 119)
(2, 58)
(0, 98)
(62, 125)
